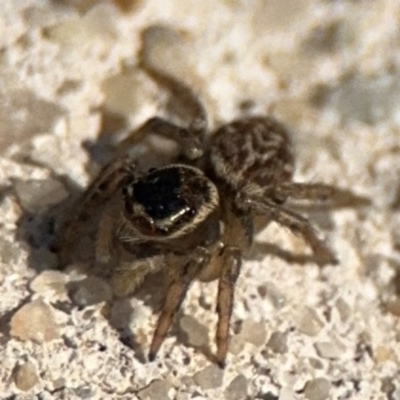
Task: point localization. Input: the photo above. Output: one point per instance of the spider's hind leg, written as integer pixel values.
(297, 224)
(337, 197)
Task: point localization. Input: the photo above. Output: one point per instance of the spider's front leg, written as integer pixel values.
(297, 224)
(190, 138)
(189, 141)
(182, 270)
(231, 264)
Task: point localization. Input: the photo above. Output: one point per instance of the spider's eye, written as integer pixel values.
(159, 193)
(144, 225)
(168, 199)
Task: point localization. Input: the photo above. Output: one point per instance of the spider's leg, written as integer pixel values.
(127, 276)
(297, 224)
(191, 108)
(105, 233)
(319, 191)
(228, 276)
(96, 196)
(180, 279)
(189, 142)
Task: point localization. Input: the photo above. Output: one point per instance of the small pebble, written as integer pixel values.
(383, 354)
(196, 333)
(25, 376)
(344, 310)
(84, 392)
(308, 322)
(236, 344)
(209, 377)
(49, 283)
(237, 389)
(35, 321)
(278, 342)
(89, 291)
(157, 390)
(317, 389)
(36, 195)
(329, 350)
(59, 383)
(316, 363)
(254, 332)
(274, 295)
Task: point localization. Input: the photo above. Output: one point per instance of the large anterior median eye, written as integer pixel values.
(160, 193)
(168, 199)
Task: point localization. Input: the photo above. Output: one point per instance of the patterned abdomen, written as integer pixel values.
(252, 154)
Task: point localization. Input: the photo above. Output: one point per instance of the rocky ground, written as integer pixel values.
(70, 82)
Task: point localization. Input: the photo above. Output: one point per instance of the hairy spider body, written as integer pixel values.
(252, 155)
(193, 222)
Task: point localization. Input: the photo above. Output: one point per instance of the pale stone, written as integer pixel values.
(196, 333)
(26, 376)
(37, 195)
(308, 322)
(35, 321)
(329, 350)
(317, 389)
(278, 342)
(254, 332)
(209, 377)
(157, 390)
(49, 282)
(237, 388)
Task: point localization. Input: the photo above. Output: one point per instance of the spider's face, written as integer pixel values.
(169, 202)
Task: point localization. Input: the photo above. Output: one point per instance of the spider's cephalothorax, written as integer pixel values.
(193, 222)
(169, 202)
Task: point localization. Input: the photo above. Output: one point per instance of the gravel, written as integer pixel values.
(35, 321)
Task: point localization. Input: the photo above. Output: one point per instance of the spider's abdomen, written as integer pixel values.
(252, 154)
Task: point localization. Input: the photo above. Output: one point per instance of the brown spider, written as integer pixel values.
(193, 218)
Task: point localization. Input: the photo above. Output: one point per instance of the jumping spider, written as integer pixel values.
(194, 218)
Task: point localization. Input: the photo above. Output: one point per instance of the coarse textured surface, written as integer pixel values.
(328, 69)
